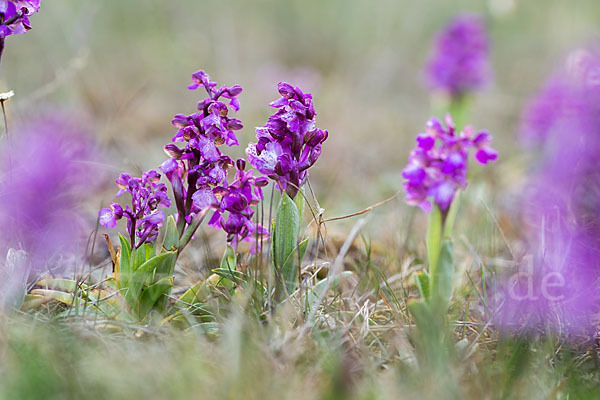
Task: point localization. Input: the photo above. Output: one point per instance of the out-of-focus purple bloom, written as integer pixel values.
(460, 60)
(199, 167)
(46, 175)
(563, 207)
(437, 167)
(566, 95)
(14, 16)
(236, 201)
(143, 216)
(289, 143)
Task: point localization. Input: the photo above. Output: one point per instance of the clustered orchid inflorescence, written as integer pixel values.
(460, 62)
(201, 164)
(143, 216)
(198, 175)
(14, 16)
(289, 143)
(437, 167)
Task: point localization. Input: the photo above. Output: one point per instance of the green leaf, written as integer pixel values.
(298, 254)
(430, 337)
(441, 280)
(421, 313)
(125, 261)
(229, 260)
(434, 237)
(422, 281)
(141, 255)
(196, 294)
(171, 240)
(152, 295)
(57, 295)
(234, 277)
(285, 240)
(150, 250)
(66, 285)
(299, 201)
(31, 301)
(145, 273)
(302, 249)
(165, 269)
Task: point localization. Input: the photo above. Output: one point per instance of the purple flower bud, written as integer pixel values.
(284, 165)
(286, 90)
(234, 124)
(261, 181)
(180, 121)
(241, 164)
(315, 137)
(234, 91)
(173, 151)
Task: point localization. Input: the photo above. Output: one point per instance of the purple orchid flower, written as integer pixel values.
(289, 144)
(236, 201)
(143, 216)
(562, 206)
(437, 167)
(564, 96)
(14, 16)
(199, 167)
(460, 60)
(48, 170)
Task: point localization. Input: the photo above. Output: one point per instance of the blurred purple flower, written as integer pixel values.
(46, 173)
(567, 94)
(143, 216)
(563, 206)
(289, 143)
(460, 60)
(437, 167)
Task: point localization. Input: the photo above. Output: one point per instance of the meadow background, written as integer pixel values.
(119, 69)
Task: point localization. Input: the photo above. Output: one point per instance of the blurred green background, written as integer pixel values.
(121, 68)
